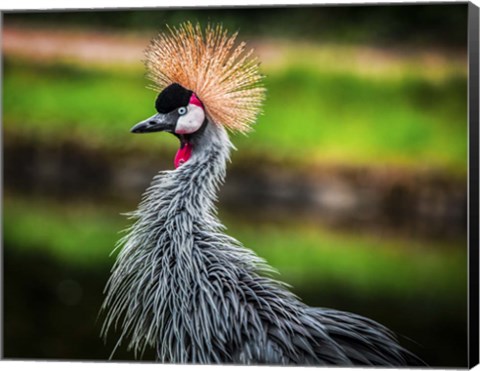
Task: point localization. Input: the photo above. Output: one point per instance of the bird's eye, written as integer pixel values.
(182, 110)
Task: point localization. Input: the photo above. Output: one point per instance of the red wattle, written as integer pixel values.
(183, 154)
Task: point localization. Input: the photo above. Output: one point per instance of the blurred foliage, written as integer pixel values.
(309, 116)
(438, 24)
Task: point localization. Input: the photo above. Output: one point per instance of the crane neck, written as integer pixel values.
(190, 191)
(175, 235)
(197, 181)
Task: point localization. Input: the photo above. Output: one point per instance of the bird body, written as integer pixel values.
(182, 286)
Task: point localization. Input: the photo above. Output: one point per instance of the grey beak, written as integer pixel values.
(158, 122)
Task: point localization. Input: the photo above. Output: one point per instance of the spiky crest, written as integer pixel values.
(225, 77)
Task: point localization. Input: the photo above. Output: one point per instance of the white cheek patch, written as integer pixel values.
(191, 121)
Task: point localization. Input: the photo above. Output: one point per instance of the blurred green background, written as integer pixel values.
(352, 184)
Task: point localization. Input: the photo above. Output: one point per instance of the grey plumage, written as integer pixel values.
(194, 294)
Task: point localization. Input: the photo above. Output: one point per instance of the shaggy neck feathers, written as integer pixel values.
(174, 242)
(183, 287)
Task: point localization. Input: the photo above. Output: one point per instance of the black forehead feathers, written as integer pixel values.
(172, 97)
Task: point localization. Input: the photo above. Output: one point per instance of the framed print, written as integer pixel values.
(279, 185)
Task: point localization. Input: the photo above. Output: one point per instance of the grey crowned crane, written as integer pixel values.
(180, 284)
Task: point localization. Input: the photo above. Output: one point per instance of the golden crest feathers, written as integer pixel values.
(224, 77)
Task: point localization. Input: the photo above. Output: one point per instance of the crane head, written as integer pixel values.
(180, 112)
(201, 72)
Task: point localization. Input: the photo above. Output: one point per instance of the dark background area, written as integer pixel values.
(412, 24)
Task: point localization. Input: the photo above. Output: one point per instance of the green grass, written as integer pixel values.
(309, 117)
(349, 119)
(305, 256)
(78, 235)
(58, 102)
